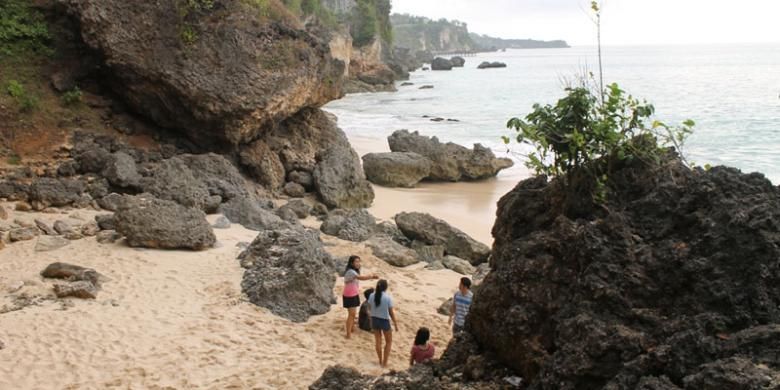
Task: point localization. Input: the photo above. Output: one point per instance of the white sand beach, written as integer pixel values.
(177, 319)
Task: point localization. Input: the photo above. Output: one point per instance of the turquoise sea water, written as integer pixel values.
(731, 91)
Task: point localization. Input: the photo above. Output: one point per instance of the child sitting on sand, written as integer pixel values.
(364, 316)
(422, 350)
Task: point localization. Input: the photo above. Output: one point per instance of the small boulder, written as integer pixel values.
(426, 87)
(396, 169)
(303, 178)
(23, 206)
(50, 243)
(222, 222)
(3, 213)
(487, 65)
(90, 229)
(458, 265)
(70, 272)
(121, 171)
(294, 190)
(45, 228)
(434, 231)
(446, 307)
(80, 289)
(286, 214)
(406, 84)
(355, 225)
(105, 221)
(62, 227)
(251, 213)
(299, 207)
(110, 202)
(107, 237)
(458, 61)
(392, 252)
(155, 223)
(440, 63)
(23, 234)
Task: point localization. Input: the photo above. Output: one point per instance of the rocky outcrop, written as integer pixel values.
(70, 272)
(392, 252)
(340, 181)
(450, 162)
(670, 284)
(216, 71)
(289, 273)
(440, 63)
(487, 65)
(353, 225)
(252, 213)
(434, 231)
(396, 169)
(458, 62)
(154, 223)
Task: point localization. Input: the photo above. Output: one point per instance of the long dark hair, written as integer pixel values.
(381, 286)
(423, 334)
(351, 264)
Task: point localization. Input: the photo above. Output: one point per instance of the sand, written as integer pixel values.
(177, 319)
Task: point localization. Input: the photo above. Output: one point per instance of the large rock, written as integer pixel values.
(340, 181)
(252, 214)
(672, 283)
(289, 273)
(392, 252)
(172, 179)
(450, 162)
(353, 225)
(219, 176)
(120, 170)
(155, 223)
(219, 71)
(56, 192)
(440, 63)
(458, 62)
(434, 231)
(396, 169)
(264, 164)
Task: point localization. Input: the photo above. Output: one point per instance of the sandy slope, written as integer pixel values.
(176, 319)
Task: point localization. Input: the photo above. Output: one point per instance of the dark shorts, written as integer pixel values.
(380, 324)
(456, 328)
(350, 302)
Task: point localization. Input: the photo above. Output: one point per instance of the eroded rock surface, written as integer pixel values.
(434, 231)
(396, 169)
(155, 223)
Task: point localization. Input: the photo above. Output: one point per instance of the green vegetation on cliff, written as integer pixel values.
(421, 33)
(22, 28)
(490, 43)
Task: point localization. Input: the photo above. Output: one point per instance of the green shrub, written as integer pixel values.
(364, 23)
(579, 134)
(188, 34)
(22, 28)
(72, 97)
(262, 6)
(14, 159)
(26, 101)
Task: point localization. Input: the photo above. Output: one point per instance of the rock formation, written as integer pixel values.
(396, 169)
(434, 231)
(458, 62)
(450, 162)
(486, 65)
(217, 71)
(440, 63)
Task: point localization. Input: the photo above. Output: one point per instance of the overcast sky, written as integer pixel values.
(624, 22)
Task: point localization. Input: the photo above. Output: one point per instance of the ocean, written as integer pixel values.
(732, 92)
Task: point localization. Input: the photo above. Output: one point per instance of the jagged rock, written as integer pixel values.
(264, 164)
(220, 177)
(50, 243)
(667, 279)
(45, 228)
(90, 229)
(390, 229)
(236, 79)
(67, 168)
(107, 236)
(299, 207)
(110, 202)
(303, 178)
(450, 162)
(392, 252)
(80, 289)
(23, 234)
(288, 272)
(91, 158)
(56, 192)
(252, 214)
(396, 169)
(458, 265)
(486, 65)
(222, 222)
(440, 63)
(120, 170)
(71, 272)
(172, 179)
(105, 221)
(155, 223)
(62, 227)
(434, 231)
(355, 225)
(319, 209)
(294, 190)
(286, 214)
(458, 62)
(340, 181)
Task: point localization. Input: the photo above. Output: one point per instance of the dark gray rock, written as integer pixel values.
(172, 179)
(488, 65)
(80, 289)
(294, 190)
(120, 170)
(155, 223)
(219, 176)
(434, 231)
(426, 87)
(110, 202)
(252, 214)
(396, 169)
(458, 61)
(286, 214)
(289, 273)
(303, 178)
(105, 221)
(450, 162)
(91, 158)
(71, 272)
(23, 234)
(56, 192)
(392, 252)
(299, 207)
(353, 225)
(440, 63)
(406, 84)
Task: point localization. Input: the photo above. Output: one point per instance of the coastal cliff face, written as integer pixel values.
(422, 34)
(220, 71)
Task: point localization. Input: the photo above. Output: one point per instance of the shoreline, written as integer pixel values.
(468, 205)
